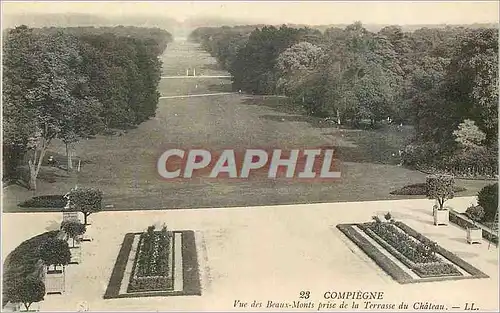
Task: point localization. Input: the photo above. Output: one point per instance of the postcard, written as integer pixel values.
(250, 156)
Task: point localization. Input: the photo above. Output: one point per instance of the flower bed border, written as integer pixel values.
(191, 273)
(395, 271)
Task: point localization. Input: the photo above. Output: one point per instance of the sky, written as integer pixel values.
(313, 13)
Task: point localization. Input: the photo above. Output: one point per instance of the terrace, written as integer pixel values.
(252, 252)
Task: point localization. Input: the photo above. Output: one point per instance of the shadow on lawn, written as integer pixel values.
(377, 146)
(282, 105)
(211, 67)
(285, 118)
(225, 87)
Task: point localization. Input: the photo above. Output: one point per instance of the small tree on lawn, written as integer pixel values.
(55, 252)
(440, 188)
(475, 213)
(73, 229)
(29, 291)
(86, 200)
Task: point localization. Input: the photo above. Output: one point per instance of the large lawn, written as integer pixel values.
(124, 166)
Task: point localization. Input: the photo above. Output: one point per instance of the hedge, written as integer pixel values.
(24, 261)
(419, 190)
(48, 201)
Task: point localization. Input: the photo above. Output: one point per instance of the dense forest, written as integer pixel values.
(442, 81)
(74, 83)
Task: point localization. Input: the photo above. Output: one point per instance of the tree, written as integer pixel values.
(440, 188)
(468, 135)
(48, 66)
(86, 200)
(254, 68)
(18, 120)
(124, 74)
(67, 83)
(105, 63)
(55, 252)
(52, 96)
(29, 291)
(454, 82)
(374, 96)
(399, 49)
(472, 80)
(73, 229)
(426, 99)
(295, 63)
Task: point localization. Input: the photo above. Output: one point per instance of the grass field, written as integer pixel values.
(124, 167)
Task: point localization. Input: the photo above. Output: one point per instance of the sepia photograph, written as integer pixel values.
(275, 156)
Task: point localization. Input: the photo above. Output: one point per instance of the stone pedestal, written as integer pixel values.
(55, 280)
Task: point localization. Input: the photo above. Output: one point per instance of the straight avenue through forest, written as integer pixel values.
(205, 112)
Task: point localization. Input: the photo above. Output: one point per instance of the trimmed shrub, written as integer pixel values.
(440, 188)
(86, 200)
(55, 252)
(475, 213)
(28, 291)
(488, 199)
(73, 229)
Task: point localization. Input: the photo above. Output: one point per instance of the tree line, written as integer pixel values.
(74, 83)
(443, 81)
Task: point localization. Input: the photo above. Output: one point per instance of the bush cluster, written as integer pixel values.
(488, 199)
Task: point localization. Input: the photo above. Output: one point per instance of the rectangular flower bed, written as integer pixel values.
(411, 252)
(419, 256)
(445, 253)
(189, 267)
(152, 270)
